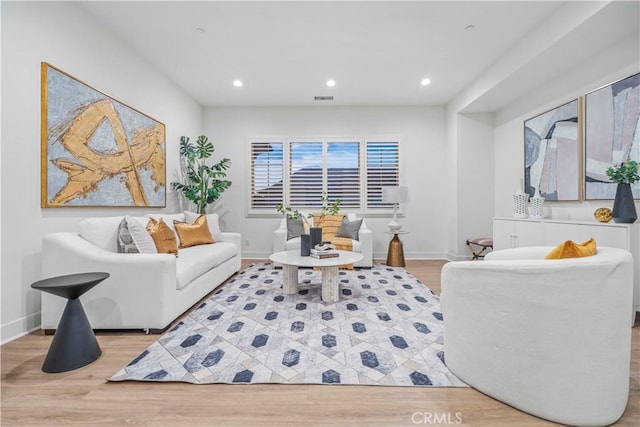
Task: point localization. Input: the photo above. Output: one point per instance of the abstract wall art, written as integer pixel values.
(96, 151)
(612, 134)
(552, 153)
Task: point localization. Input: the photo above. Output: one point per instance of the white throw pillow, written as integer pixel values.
(212, 221)
(142, 238)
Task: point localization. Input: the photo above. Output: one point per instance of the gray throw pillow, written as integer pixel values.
(350, 229)
(126, 245)
(295, 228)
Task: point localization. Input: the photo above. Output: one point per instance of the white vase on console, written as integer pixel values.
(520, 203)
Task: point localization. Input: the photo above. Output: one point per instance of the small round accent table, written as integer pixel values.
(74, 344)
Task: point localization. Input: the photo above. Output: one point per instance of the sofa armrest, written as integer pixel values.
(279, 240)
(365, 236)
(136, 281)
(235, 238)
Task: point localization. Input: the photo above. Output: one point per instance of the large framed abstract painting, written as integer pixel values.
(612, 134)
(97, 151)
(552, 152)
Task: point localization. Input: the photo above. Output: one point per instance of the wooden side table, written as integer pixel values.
(74, 344)
(395, 253)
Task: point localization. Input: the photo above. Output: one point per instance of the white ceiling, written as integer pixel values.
(377, 52)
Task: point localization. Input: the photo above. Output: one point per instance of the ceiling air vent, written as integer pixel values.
(323, 98)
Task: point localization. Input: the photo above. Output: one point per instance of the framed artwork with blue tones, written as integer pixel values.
(552, 151)
(612, 134)
(97, 151)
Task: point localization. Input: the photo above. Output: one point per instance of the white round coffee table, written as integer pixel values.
(291, 260)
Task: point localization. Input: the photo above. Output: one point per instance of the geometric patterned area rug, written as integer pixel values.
(386, 329)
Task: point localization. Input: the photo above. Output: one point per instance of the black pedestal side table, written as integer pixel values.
(74, 344)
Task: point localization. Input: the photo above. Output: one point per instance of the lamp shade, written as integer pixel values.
(395, 194)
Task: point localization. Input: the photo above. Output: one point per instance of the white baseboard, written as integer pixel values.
(19, 328)
(379, 255)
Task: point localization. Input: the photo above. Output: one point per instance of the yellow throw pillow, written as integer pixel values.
(570, 249)
(194, 234)
(163, 237)
(329, 223)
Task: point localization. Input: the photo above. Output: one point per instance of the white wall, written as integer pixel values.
(475, 170)
(422, 154)
(63, 35)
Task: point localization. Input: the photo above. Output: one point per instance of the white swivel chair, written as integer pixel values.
(549, 337)
(364, 245)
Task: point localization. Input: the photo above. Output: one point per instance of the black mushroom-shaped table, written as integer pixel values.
(74, 344)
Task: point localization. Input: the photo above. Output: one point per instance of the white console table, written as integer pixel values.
(511, 233)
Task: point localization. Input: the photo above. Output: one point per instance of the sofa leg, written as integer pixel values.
(49, 331)
(155, 331)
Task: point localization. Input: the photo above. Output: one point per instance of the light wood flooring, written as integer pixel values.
(83, 397)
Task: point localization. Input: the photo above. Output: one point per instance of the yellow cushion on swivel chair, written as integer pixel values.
(570, 249)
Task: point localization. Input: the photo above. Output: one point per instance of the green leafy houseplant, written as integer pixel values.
(204, 184)
(625, 173)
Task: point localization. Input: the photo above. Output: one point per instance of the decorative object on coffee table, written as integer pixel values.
(395, 195)
(305, 244)
(624, 207)
(74, 344)
(315, 234)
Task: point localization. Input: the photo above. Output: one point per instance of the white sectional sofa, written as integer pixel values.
(144, 291)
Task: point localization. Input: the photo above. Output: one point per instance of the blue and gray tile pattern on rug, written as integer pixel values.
(386, 329)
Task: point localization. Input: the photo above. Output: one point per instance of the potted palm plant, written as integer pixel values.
(624, 207)
(203, 184)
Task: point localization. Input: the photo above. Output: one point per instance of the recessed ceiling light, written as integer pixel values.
(200, 30)
(425, 82)
(237, 83)
(331, 83)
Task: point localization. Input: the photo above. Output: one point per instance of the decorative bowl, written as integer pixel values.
(603, 214)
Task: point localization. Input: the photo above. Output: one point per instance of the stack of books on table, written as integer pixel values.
(324, 250)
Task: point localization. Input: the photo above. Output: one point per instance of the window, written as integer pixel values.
(266, 174)
(297, 172)
(382, 170)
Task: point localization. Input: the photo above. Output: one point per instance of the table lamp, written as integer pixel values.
(395, 195)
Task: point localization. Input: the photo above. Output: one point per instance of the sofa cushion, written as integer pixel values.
(141, 237)
(168, 219)
(194, 261)
(212, 222)
(101, 231)
(570, 249)
(126, 245)
(350, 229)
(193, 234)
(163, 236)
(295, 227)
